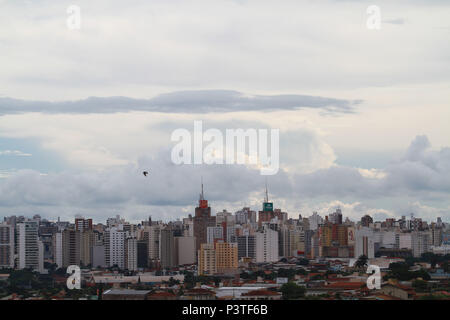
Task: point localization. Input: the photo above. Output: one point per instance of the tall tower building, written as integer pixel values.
(167, 250)
(202, 220)
(206, 259)
(267, 213)
(6, 246)
(131, 253)
(29, 248)
(267, 245)
(115, 248)
(226, 257)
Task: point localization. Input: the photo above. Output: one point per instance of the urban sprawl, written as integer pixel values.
(247, 255)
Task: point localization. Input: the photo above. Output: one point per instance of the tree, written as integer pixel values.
(292, 291)
(361, 263)
(431, 258)
(420, 285)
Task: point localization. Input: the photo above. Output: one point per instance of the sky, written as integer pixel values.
(362, 113)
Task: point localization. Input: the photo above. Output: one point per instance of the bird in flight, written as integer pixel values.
(145, 173)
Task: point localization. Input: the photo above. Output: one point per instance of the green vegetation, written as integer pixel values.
(361, 263)
(400, 271)
(292, 291)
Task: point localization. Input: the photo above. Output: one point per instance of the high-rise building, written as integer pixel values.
(214, 233)
(185, 250)
(420, 241)
(267, 213)
(315, 220)
(6, 246)
(364, 243)
(142, 254)
(246, 246)
(167, 252)
(82, 224)
(202, 220)
(115, 247)
(30, 249)
(206, 259)
(131, 254)
(153, 234)
(266, 245)
(226, 257)
(87, 239)
(71, 250)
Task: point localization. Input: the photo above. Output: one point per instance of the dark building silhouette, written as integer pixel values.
(142, 254)
(202, 220)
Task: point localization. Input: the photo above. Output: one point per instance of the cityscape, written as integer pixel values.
(224, 158)
(246, 255)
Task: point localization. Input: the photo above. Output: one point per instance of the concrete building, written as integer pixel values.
(29, 248)
(142, 254)
(86, 245)
(267, 245)
(185, 250)
(420, 241)
(167, 249)
(226, 257)
(404, 241)
(115, 247)
(364, 243)
(131, 254)
(206, 259)
(98, 256)
(214, 233)
(246, 247)
(202, 220)
(7, 244)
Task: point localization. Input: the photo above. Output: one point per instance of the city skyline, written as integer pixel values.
(361, 111)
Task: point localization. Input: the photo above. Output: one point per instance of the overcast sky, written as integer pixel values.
(363, 114)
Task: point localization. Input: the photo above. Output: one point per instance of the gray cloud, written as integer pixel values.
(203, 101)
(397, 21)
(420, 175)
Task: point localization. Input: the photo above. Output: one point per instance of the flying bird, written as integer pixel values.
(145, 173)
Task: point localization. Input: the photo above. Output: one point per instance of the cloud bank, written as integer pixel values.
(203, 101)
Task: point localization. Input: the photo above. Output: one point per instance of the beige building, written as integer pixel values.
(219, 257)
(86, 247)
(206, 259)
(226, 257)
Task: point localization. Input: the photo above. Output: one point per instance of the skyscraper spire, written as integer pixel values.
(266, 198)
(202, 197)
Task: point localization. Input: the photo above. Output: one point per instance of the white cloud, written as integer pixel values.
(16, 153)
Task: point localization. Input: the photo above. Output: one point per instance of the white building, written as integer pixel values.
(58, 249)
(405, 241)
(30, 249)
(314, 221)
(115, 247)
(267, 245)
(420, 243)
